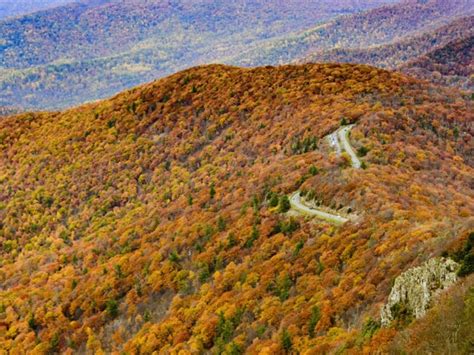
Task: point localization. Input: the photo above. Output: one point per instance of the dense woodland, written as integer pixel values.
(153, 222)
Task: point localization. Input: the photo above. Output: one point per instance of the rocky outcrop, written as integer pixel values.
(414, 290)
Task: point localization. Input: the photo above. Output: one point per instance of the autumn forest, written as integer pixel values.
(146, 222)
(316, 199)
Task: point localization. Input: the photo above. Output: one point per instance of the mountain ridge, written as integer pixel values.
(147, 222)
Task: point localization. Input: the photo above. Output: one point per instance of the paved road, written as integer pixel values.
(343, 137)
(295, 201)
(339, 141)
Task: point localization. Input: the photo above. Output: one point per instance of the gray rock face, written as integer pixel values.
(414, 290)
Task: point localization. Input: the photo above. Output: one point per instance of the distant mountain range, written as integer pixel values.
(88, 50)
(93, 49)
(396, 53)
(380, 26)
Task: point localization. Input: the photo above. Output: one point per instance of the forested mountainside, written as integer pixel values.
(377, 27)
(394, 55)
(452, 64)
(157, 220)
(85, 51)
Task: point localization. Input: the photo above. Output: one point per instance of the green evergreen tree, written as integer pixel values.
(284, 204)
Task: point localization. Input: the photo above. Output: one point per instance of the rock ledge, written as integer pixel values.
(414, 290)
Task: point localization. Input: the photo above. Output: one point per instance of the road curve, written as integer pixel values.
(295, 201)
(343, 137)
(340, 136)
(339, 140)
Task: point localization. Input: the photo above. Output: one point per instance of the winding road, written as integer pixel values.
(341, 137)
(296, 204)
(339, 140)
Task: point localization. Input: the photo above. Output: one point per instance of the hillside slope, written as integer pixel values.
(452, 64)
(453, 42)
(89, 50)
(394, 55)
(148, 221)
